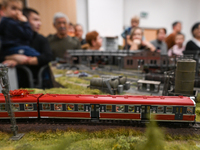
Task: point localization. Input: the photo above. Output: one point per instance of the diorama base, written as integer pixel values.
(17, 137)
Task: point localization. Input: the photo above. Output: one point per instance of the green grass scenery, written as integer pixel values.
(108, 139)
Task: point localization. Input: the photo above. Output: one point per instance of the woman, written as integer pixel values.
(94, 43)
(194, 44)
(135, 41)
(94, 40)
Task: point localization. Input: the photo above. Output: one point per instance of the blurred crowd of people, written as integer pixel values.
(170, 45)
(21, 44)
(19, 36)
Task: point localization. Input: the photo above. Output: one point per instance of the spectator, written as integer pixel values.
(170, 40)
(38, 42)
(94, 43)
(15, 31)
(159, 43)
(194, 44)
(1, 12)
(126, 34)
(60, 42)
(136, 41)
(71, 30)
(178, 48)
(79, 33)
(94, 40)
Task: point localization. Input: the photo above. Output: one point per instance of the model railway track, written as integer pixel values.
(76, 122)
(92, 126)
(100, 122)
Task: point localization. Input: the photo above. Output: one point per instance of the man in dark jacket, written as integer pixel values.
(38, 42)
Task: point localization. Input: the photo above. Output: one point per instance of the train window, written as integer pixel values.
(181, 110)
(131, 109)
(177, 110)
(143, 109)
(102, 109)
(2, 107)
(58, 107)
(87, 108)
(81, 107)
(92, 107)
(138, 110)
(69, 107)
(45, 106)
(160, 109)
(108, 108)
(28, 106)
(169, 109)
(153, 109)
(189, 110)
(148, 109)
(15, 107)
(120, 108)
(97, 107)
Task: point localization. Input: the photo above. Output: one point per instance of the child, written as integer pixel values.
(177, 49)
(136, 42)
(15, 31)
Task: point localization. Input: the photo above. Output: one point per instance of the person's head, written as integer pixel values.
(94, 40)
(33, 18)
(161, 34)
(60, 22)
(177, 26)
(136, 34)
(179, 39)
(78, 31)
(71, 29)
(12, 8)
(196, 30)
(135, 21)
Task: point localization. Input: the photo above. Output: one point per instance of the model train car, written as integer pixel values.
(101, 107)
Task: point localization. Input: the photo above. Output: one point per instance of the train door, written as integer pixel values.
(145, 112)
(95, 111)
(178, 113)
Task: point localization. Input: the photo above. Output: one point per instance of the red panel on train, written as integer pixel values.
(118, 99)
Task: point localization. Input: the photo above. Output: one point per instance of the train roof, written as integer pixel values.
(118, 99)
(23, 98)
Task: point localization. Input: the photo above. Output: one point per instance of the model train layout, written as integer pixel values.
(101, 107)
(142, 59)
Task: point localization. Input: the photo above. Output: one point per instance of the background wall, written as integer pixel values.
(82, 14)
(47, 9)
(105, 16)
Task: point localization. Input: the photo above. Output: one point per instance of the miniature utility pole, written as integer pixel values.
(5, 90)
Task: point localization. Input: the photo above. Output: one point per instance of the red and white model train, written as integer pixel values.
(102, 107)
